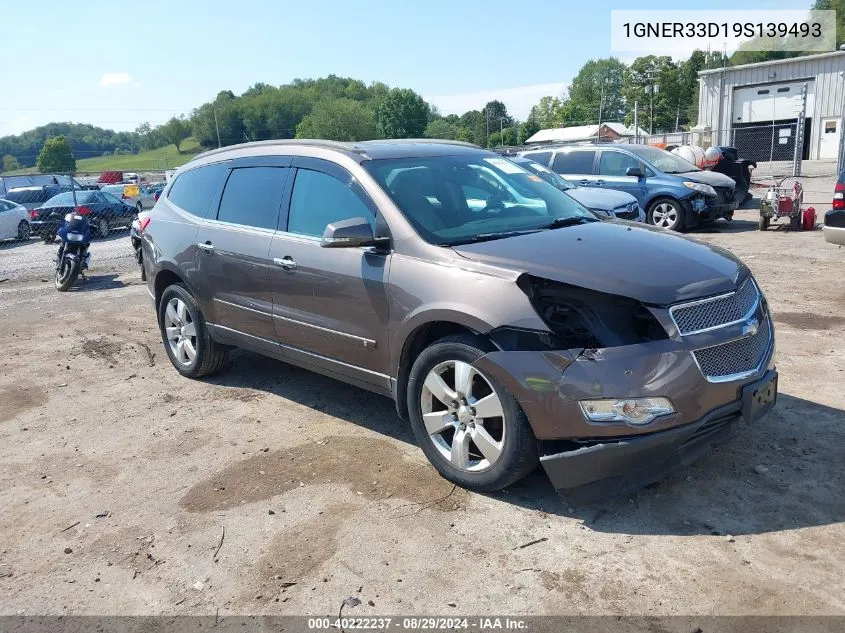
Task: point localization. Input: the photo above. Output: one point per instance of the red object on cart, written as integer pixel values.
(808, 219)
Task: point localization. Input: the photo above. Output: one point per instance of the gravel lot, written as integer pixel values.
(125, 489)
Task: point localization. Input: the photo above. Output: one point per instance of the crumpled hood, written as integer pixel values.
(604, 199)
(639, 262)
(711, 178)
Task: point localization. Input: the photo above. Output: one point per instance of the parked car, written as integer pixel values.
(110, 177)
(103, 210)
(609, 352)
(603, 202)
(674, 193)
(33, 197)
(14, 221)
(834, 220)
(144, 200)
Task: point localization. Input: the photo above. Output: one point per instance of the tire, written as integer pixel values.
(103, 227)
(198, 355)
(763, 224)
(666, 213)
(24, 231)
(67, 273)
(510, 448)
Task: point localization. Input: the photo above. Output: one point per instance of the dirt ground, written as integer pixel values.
(126, 489)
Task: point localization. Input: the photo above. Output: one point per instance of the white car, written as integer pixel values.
(14, 221)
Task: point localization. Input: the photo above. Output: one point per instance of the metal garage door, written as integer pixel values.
(772, 102)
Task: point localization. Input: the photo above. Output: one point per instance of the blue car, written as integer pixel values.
(674, 193)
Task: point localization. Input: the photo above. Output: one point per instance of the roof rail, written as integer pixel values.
(434, 141)
(338, 145)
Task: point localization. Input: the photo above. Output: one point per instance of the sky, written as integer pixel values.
(116, 64)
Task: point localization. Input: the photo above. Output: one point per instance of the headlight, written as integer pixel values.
(75, 237)
(707, 190)
(636, 411)
(602, 212)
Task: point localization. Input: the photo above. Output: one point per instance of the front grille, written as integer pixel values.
(628, 212)
(742, 356)
(718, 311)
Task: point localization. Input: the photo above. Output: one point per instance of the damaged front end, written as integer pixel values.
(606, 355)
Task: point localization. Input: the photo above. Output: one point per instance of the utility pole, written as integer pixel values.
(678, 116)
(601, 105)
(799, 134)
(652, 88)
(501, 131)
(636, 123)
(217, 127)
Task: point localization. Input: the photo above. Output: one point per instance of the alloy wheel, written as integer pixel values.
(665, 215)
(463, 416)
(181, 331)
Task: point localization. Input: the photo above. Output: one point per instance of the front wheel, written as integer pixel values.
(666, 213)
(469, 427)
(67, 273)
(185, 336)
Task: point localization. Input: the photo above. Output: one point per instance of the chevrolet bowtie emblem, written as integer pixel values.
(751, 327)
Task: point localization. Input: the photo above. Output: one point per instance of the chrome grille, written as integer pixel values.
(742, 356)
(716, 312)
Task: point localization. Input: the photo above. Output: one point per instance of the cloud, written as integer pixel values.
(115, 79)
(518, 100)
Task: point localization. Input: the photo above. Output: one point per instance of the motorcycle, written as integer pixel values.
(73, 256)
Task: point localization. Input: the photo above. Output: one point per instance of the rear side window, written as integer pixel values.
(616, 163)
(574, 162)
(539, 157)
(29, 196)
(318, 200)
(252, 196)
(195, 190)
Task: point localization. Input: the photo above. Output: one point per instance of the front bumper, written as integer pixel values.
(706, 209)
(611, 468)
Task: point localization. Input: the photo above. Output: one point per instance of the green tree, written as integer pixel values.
(402, 114)
(549, 112)
(56, 156)
(10, 163)
(339, 120)
(497, 113)
(661, 110)
(596, 92)
(175, 131)
(443, 129)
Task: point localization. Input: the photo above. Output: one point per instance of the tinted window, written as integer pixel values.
(66, 199)
(540, 157)
(195, 190)
(28, 196)
(252, 196)
(107, 197)
(616, 163)
(574, 162)
(319, 199)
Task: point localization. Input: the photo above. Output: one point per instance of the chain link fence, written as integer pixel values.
(32, 207)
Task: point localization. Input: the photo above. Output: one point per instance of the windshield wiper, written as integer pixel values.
(561, 222)
(486, 237)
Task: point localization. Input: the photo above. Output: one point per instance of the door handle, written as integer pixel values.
(208, 247)
(583, 181)
(600, 182)
(285, 262)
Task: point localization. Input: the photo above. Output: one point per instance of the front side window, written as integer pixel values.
(253, 196)
(319, 199)
(616, 163)
(470, 197)
(579, 162)
(662, 160)
(195, 190)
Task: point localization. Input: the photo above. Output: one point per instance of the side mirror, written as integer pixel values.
(636, 172)
(348, 233)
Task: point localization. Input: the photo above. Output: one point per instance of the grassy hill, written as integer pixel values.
(153, 160)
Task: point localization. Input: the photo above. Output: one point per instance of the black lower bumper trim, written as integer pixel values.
(614, 468)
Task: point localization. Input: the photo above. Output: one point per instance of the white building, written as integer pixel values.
(755, 106)
(579, 133)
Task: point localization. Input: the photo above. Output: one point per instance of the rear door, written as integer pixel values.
(576, 166)
(234, 246)
(613, 166)
(329, 304)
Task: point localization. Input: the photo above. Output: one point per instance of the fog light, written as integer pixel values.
(637, 411)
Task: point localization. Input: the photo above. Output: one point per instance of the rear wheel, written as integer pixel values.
(103, 227)
(24, 230)
(666, 213)
(471, 429)
(185, 336)
(67, 273)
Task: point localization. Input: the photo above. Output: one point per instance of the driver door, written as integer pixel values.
(329, 304)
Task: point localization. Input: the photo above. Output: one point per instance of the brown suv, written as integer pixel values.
(505, 321)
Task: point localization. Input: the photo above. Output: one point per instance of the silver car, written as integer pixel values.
(146, 199)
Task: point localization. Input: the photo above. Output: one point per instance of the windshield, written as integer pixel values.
(66, 199)
(457, 199)
(662, 160)
(546, 174)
